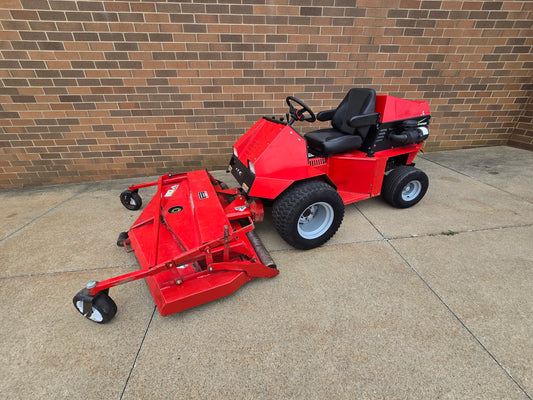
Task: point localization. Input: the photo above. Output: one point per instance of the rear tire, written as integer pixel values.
(308, 214)
(404, 186)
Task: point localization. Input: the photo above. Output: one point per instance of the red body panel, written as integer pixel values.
(279, 157)
(360, 177)
(357, 177)
(395, 109)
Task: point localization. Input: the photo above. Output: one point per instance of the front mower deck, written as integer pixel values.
(191, 215)
(194, 242)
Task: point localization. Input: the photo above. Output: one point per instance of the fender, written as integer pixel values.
(270, 187)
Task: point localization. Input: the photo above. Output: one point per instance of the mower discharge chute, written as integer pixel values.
(195, 240)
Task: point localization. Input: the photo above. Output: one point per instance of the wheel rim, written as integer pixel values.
(315, 220)
(411, 190)
(95, 316)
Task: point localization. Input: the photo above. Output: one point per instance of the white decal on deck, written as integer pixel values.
(171, 191)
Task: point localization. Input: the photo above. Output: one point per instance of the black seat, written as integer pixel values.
(350, 122)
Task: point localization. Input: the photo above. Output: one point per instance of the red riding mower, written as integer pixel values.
(195, 242)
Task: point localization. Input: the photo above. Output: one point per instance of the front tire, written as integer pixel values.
(308, 214)
(404, 186)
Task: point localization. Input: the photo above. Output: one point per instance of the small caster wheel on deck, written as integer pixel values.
(99, 308)
(131, 199)
(122, 238)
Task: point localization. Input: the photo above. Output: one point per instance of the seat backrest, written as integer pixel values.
(357, 101)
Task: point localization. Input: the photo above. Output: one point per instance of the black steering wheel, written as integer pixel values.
(298, 114)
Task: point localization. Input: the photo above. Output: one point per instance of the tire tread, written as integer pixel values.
(392, 184)
(286, 207)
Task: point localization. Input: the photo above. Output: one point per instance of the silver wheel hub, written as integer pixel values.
(411, 190)
(315, 220)
(95, 314)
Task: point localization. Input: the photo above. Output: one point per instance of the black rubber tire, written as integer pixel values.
(102, 307)
(122, 237)
(131, 200)
(289, 208)
(402, 179)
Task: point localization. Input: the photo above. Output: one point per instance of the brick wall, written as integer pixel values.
(110, 89)
(522, 134)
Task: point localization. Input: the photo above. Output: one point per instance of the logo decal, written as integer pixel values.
(171, 191)
(203, 195)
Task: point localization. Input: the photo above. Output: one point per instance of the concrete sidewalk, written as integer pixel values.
(434, 301)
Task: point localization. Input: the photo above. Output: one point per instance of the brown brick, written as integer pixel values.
(24, 15)
(146, 78)
(181, 18)
(131, 17)
(63, 5)
(160, 18)
(51, 15)
(160, 37)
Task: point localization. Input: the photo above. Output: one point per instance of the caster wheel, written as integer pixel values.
(122, 238)
(100, 308)
(131, 200)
